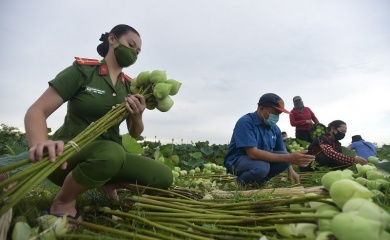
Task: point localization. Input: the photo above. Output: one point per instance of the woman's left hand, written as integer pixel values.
(135, 105)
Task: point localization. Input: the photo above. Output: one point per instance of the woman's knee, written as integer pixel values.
(109, 155)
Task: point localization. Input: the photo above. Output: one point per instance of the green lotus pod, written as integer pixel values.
(134, 82)
(361, 180)
(164, 104)
(367, 209)
(324, 224)
(313, 204)
(134, 89)
(378, 194)
(373, 184)
(326, 207)
(61, 226)
(307, 230)
(362, 169)
(21, 231)
(151, 106)
(287, 230)
(385, 184)
(151, 103)
(175, 86)
(143, 78)
(372, 175)
(373, 159)
(161, 90)
(324, 235)
(157, 79)
(162, 76)
(343, 190)
(347, 226)
(46, 221)
(329, 178)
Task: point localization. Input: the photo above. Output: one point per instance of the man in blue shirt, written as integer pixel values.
(362, 148)
(256, 152)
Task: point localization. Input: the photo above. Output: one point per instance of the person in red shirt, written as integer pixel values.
(302, 118)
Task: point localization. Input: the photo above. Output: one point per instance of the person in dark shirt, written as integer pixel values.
(328, 151)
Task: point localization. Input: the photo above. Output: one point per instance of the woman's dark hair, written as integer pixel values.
(118, 31)
(335, 124)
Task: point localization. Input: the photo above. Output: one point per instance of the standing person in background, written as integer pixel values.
(302, 118)
(327, 149)
(363, 148)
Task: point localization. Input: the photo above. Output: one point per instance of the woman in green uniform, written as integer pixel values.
(91, 88)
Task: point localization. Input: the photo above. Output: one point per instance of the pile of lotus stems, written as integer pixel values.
(158, 217)
(34, 174)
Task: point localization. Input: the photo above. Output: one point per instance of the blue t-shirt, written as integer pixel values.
(363, 149)
(250, 131)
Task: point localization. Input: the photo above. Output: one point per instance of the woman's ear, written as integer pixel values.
(111, 39)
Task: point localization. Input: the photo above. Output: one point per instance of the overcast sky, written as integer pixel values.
(335, 54)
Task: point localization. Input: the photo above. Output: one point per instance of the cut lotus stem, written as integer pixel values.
(153, 224)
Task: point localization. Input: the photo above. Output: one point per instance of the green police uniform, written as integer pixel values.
(88, 89)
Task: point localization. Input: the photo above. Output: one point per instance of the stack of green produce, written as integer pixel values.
(156, 89)
(317, 130)
(349, 213)
(295, 144)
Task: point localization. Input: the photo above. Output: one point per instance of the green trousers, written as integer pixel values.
(105, 162)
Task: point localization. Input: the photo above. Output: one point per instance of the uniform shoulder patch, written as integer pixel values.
(128, 78)
(88, 61)
(124, 78)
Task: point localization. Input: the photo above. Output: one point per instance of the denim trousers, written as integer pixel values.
(250, 171)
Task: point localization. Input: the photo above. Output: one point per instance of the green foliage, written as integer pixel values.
(384, 152)
(130, 144)
(348, 152)
(317, 130)
(7, 159)
(12, 141)
(185, 156)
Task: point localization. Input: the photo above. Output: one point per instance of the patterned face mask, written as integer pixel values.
(339, 135)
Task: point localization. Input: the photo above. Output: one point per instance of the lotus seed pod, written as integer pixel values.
(343, 190)
(143, 78)
(164, 104)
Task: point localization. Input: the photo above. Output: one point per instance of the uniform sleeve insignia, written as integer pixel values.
(87, 61)
(103, 70)
(124, 78)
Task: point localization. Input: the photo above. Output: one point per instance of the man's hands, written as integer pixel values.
(52, 148)
(294, 176)
(301, 158)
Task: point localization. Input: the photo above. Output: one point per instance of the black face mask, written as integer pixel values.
(339, 135)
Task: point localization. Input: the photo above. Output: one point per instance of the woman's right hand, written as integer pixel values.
(360, 160)
(52, 148)
(301, 158)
